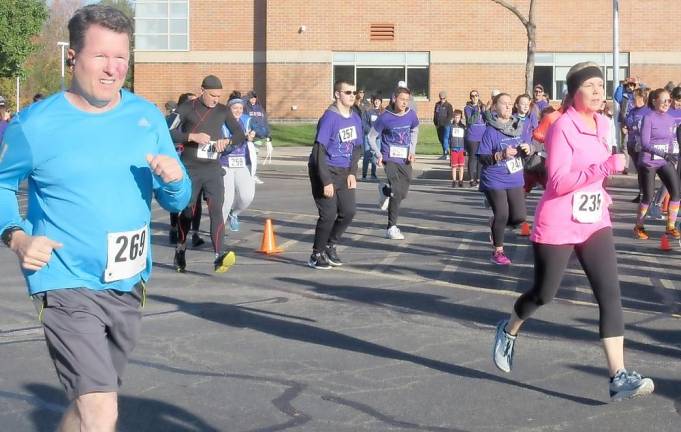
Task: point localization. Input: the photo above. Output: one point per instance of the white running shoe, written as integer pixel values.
(627, 385)
(394, 233)
(383, 201)
(257, 180)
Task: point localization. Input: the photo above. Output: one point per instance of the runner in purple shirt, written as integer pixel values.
(657, 157)
(501, 177)
(398, 128)
(633, 125)
(333, 169)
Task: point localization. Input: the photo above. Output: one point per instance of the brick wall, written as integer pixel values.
(436, 25)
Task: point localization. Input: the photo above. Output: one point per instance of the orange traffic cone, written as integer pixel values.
(525, 229)
(269, 243)
(664, 243)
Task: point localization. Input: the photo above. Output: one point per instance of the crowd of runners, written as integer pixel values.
(206, 151)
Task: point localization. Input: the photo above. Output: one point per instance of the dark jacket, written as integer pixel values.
(443, 114)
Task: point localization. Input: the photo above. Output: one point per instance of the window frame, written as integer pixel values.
(561, 60)
(409, 60)
(167, 19)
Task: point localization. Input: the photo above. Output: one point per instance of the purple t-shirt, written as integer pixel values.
(395, 133)
(3, 126)
(541, 105)
(657, 135)
(339, 136)
(475, 123)
(633, 122)
(676, 114)
(505, 174)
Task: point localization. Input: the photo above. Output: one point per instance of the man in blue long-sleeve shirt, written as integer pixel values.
(93, 157)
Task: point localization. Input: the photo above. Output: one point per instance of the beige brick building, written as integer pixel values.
(290, 51)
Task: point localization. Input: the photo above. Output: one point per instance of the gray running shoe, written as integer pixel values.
(319, 261)
(627, 385)
(504, 344)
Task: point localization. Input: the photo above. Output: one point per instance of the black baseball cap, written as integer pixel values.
(211, 82)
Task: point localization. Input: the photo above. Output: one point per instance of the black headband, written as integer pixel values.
(577, 79)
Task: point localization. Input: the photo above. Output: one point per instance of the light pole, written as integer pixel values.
(63, 46)
(616, 66)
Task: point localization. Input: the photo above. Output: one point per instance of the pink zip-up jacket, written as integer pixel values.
(578, 161)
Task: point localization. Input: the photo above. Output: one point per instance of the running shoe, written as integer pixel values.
(454, 183)
(179, 261)
(443, 157)
(197, 240)
(500, 258)
(233, 222)
(637, 199)
(224, 262)
(673, 232)
(318, 261)
(394, 233)
(364, 178)
(504, 346)
(627, 385)
(640, 233)
(383, 200)
(332, 256)
(461, 183)
(374, 178)
(257, 180)
(471, 183)
(172, 236)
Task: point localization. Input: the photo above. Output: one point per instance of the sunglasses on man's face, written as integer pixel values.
(349, 92)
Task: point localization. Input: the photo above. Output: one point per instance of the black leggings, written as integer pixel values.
(471, 148)
(196, 220)
(597, 257)
(508, 208)
(209, 180)
(667, 174)
(335, 213)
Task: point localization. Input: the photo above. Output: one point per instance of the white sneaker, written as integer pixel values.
(257, 180)
(383, 201)
(394, 233)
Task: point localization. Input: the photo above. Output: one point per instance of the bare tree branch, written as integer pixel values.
(515, 10)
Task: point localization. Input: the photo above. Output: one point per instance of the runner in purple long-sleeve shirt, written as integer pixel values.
(656, 157)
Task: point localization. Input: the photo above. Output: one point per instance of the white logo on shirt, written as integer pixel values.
(143, 122)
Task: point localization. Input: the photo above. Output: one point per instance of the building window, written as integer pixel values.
(161, 25)
(379, 72)
(551, 69)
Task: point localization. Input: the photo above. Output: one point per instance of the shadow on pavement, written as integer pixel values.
(236, 316)
(135, 413)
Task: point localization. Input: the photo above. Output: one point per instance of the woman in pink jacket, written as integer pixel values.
(573, 216)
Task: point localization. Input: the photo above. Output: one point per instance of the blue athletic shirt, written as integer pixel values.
(87, 177)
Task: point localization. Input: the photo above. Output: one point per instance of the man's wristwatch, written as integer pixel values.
(7, 234)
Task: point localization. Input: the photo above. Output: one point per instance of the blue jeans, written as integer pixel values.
(368, 157)
(444, 134)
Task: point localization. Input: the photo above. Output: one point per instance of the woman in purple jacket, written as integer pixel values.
(657, 157)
